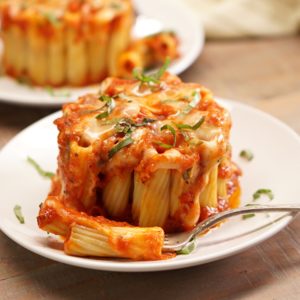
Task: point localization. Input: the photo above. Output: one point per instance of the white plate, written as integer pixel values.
(154, 17)
(276, 165)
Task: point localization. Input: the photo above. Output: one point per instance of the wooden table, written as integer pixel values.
(263, 73)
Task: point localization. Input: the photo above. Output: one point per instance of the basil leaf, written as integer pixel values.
(109, 103)
(18, 214)
(266, 192)
(248, 216)
(51, 18)
(247, 154)
(105, 98)
(57, 93)
(152, 78)
(146, 121)
(199, 123)
(194, 102)
(172, 130)
(124, 126)
(163, 145)
(187, 249)
(103, 115)
(39, 169)
(194, 127)
(163, 69)
(124, 143)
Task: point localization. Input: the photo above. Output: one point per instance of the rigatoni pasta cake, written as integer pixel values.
(70, 42)
(143, 157)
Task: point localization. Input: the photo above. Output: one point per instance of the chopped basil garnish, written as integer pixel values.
(194, 127)
(103, 115)
(172, 130)
(145, 122)
(126, 125)
(266, 192)
(163, 145)
(57, 93)
(109, 103)
(24, 80)
(51, 18)
(248, 216)
(152, 78)
(18, 214)
(187, 249)
(39, 169)
(246, 154)
(124, 143)
(193, 103)
(105, 98)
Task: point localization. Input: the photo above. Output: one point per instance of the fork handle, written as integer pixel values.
(213, 220)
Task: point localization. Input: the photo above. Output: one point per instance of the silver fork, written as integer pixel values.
(177, 241)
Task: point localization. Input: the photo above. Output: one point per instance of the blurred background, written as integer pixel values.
(247, 18)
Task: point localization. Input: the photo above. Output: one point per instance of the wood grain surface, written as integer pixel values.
(263, 73)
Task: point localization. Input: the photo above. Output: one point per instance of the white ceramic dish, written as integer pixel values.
(276, 165)
(154, 17)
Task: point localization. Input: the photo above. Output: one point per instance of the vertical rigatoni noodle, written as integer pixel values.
(138, 195)
(119, 37)
(116, 194)
(98, 50)
(37, 55)
(187, 215)
(77, 61)
(176, 190)
(155, 197)
(209, 196)
(57, 57)
(9, 53)
(84, 181)
(18, 50)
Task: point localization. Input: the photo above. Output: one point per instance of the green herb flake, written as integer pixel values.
(109, 103)
(18, 214)
(261, 192)
(24, 81)
(152, 78)
(163, 145)
(172, 130)
(57, 93)
(38, 168)
(193, 103)
(105, 98)
(115, 5)
(247, 155)
(124, 143)
(51, 18)
(187, 249)
(189, 127)
(102, 115)
(248, 216)
(124, 126)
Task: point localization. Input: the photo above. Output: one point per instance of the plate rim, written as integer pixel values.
(151, 266)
